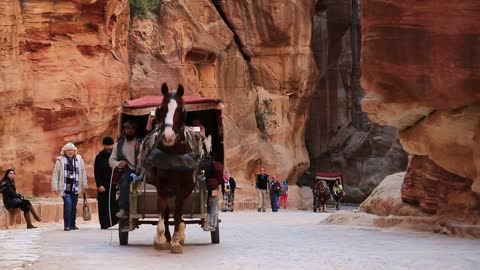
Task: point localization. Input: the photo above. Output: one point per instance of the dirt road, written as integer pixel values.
(249, 240)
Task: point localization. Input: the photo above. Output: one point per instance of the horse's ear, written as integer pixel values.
(180, 90)
(164, 89)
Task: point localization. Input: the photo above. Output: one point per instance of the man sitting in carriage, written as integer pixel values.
(123, 161)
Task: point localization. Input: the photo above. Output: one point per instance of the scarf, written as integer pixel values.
(70, 175)
(226, 182)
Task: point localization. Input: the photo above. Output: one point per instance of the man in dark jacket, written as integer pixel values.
(275, 189)
(261, 184)
(103, 173)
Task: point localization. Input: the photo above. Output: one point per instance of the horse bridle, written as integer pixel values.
(164, 125)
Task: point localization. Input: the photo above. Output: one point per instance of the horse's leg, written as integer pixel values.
(177, 216)
(168, 235)
(160, 241)
(181, 230)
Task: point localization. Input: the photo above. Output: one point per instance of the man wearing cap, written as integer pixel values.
(124, 157)
(105, 188)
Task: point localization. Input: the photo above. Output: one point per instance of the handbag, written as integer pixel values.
(86, 211)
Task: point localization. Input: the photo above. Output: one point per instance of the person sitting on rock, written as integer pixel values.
(14, 200)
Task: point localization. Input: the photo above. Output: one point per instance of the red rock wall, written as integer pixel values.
(333, 141)
(246, 53)
(420, 65)
(63, 72)
(438, 191)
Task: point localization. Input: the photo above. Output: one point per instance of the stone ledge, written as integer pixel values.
(49, 210)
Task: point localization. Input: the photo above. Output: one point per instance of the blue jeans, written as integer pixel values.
(69, 210)
(274, 202)
(123, 201)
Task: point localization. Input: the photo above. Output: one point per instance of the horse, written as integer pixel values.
(171, 183)
(322, 194)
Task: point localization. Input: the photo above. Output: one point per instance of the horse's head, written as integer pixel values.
(171, 115)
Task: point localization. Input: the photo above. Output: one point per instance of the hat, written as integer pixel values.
(107, 141)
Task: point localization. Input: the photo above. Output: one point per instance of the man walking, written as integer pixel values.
(103, 173)
(261, 184)
(275, 190)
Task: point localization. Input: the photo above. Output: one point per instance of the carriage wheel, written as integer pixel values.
(122, 236)
(215, 235)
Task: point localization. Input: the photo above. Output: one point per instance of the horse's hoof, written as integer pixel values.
(176, 249)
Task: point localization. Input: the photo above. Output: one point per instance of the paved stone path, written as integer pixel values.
(19, 248)
(249, 240)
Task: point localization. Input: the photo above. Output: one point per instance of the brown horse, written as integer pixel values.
(322, 193)
(171, 183)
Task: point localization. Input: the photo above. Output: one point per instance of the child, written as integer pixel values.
(284, 195)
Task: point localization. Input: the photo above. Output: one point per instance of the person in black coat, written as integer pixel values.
(103, 172)
(261, 184)
(13, 200)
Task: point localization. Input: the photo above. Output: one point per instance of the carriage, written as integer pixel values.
(330, 179)
(201, 207)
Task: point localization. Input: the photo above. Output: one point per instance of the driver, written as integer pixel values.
(123, 158)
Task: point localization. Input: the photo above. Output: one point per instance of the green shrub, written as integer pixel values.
(141, 8)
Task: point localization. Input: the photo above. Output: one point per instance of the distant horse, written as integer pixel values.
(173, 183)
(321, 194)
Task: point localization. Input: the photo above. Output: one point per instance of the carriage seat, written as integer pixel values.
(146, 200)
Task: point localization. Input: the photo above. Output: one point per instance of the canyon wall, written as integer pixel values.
(420, 65)
(365, 152)
(66, 66)
(254, 55)
(63, 73)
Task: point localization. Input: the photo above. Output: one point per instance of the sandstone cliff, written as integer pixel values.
(66, 66)
(365, 152)
(254, 55)
(420, 64)
(63, 72)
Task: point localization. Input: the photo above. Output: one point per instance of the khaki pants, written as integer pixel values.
(261, 199)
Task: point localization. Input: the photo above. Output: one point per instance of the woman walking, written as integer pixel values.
(228, 191)
(13, 200)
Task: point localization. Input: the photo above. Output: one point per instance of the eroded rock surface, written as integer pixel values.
(65, 67)
(424, 79)
(255, 56)
(333, 141)
(63, 72)
(385, 208)
(420, 70)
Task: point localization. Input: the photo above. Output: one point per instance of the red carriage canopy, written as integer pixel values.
(329, 176)
(155, 101)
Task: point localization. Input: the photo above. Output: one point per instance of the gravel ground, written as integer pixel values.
(288, 239)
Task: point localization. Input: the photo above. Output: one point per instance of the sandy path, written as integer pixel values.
(252, 240)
